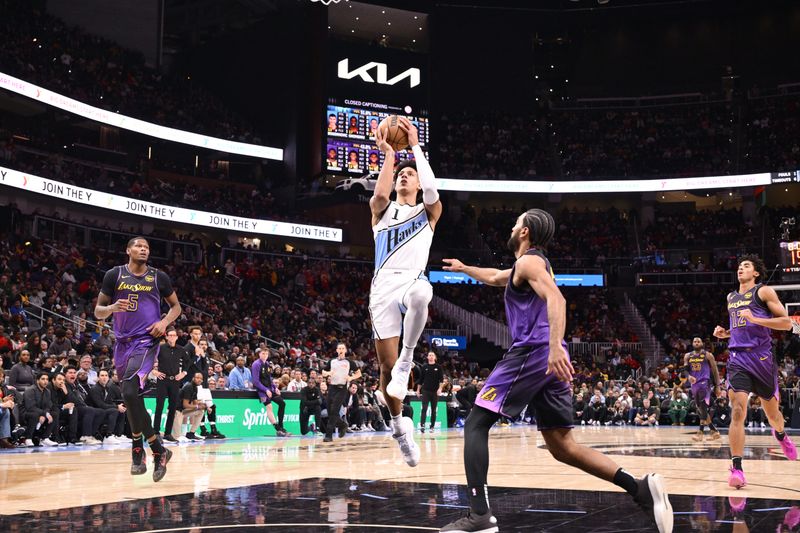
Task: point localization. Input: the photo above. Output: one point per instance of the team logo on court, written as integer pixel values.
(489, 395)
(149, 279)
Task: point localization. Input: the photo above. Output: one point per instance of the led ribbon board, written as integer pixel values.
(631, 185)
(165, 213)
(133, 124)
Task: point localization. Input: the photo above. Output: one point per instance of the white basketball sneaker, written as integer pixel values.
(398, 386)
(408, 446)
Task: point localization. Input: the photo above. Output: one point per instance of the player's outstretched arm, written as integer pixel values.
(489, 276)
(383, 188)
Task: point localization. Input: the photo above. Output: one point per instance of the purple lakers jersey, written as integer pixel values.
(698, 366)
(526, 312)
(746, 336)
(144, 293)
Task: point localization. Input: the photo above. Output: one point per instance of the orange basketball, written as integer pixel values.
(395, 136)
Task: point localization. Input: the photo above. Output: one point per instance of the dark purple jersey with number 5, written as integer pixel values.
(144, 293)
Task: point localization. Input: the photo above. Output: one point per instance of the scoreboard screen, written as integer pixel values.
(790, 260)
(350, 129)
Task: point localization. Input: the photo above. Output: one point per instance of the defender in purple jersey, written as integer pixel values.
(704, 378)
(536, 370)
(136, 291)
(753, 311)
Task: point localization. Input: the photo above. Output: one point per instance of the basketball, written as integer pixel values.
(395, 136)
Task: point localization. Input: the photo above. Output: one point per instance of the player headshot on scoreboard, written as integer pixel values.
(332, 122)
(352, 128)
(352, 160)
(333, 160)
(373, 125)
(373, 161)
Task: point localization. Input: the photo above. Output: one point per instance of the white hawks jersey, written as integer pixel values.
(403, 238)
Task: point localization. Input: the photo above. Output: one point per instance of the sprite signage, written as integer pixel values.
(247, 417)
(243, 417)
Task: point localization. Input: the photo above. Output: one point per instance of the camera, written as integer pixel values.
(786, 224)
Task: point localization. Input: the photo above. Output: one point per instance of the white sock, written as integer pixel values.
(396, 426)
(406, 355)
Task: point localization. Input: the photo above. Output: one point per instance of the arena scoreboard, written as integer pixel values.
(790, 260)
(351, 135)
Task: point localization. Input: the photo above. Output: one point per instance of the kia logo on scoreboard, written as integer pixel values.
(449, 342)
(380, 71)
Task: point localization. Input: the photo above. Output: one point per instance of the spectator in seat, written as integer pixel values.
(102, 396)
(89, 418)
(240, 377)
(60, 344)
(7, 404)
(722, 412)
(105, 339)
(678, 407)
(21, 375)
(467, 396)
(648, 415)
(755, 414)
(355, 410)
(67, 414)
(91, 372)
(296, 384)
(579, 409)
(373, 408)
(596, 412)
(37, 410)
(192, 410)
(310, 404)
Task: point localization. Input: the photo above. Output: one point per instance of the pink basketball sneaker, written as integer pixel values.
(788, 447)
(736, 479)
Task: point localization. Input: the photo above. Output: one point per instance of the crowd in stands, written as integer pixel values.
(698, 228)
(42, 49)
(671, 141)
(592, 313)
(493, 146)
(583, 238)
(680, 139)
(772, 132)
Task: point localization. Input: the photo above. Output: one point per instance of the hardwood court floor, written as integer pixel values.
(36, 480)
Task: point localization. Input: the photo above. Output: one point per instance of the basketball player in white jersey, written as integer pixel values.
(400, 292)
